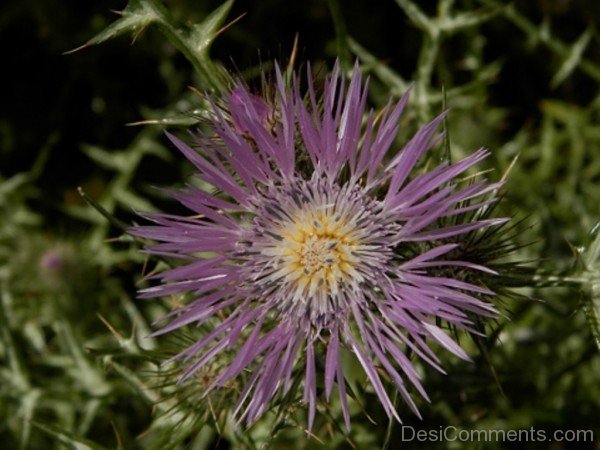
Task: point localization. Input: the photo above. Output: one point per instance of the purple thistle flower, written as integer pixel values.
(303, 240)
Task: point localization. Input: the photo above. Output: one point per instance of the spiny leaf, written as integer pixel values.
(540, 34)
(28, 406)
(573, 60)
(444, 22)
(467, 20)
(393, 80)
(136, 16)
(180, 120)
(12, 184)
(118, 161)
(414, 13)
(192, 41)
(203, 34)
(116, 222)
(591, 285)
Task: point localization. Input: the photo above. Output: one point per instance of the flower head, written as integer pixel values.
(317, 237)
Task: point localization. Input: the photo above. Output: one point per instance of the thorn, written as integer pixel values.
(145, 266)
(137, 33)
(81, 47)
(133, 324)
(115, 333)
(117, 435)
(108, 216)
(111, 240)
(510, 167)
(379, 115)
(475, 175)
(147, 276)
(143, 122)
(198, 92)
(229, 25)
(310, 434)
(294, 54)
(447, 151)
(214, 416)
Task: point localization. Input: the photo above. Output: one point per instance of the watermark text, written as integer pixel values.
(452, 433)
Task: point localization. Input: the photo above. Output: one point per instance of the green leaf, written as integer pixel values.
(391, 79)
(539, 34)
(573, 59)
(129, 199)
(203, 34)
(136, 16)
(118, 161)
(107, 215)
(192, 41)
(179, 120)
(416, 15)
(26, 411)
(67, 438)
(591, 285)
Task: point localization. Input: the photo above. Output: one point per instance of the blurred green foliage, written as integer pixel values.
(77, 368)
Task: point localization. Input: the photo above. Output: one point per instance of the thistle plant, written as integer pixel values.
(317, 235)
(338, 251)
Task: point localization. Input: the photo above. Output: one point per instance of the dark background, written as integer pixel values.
(87, 97)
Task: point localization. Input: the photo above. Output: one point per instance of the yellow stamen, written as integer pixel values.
(316, 252)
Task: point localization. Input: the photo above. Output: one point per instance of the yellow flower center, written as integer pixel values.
(316, 253)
